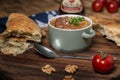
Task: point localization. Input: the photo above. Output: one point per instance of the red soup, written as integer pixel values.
(70, 22)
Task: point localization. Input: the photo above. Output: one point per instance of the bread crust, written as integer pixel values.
(19, 25)
(108, 27)
(20, 29)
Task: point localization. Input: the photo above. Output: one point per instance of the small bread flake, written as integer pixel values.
(71, 68)
(70, 77)
(48, 69)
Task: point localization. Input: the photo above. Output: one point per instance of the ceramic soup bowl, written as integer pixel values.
(70, 40)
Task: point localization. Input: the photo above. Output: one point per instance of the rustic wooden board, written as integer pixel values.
(27, 66)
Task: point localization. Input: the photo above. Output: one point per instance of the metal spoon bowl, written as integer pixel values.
(44, 51)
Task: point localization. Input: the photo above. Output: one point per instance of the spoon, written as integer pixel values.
(46, 52)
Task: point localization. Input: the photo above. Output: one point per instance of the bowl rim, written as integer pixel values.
(87, 18)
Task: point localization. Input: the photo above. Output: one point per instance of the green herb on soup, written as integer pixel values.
(76, 20)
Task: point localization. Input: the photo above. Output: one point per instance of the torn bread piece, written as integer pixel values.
(19, 25)
(108, 27)
(14, 46)
(1, 41)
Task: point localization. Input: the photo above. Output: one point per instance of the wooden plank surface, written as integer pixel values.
(27, 66)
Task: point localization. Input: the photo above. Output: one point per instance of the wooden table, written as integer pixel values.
(27, 66)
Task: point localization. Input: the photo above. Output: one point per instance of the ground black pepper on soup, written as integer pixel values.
(70, 22)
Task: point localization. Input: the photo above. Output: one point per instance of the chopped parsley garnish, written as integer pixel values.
(76, 20)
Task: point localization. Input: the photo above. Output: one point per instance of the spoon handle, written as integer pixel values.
(81, 57)
(78, 57)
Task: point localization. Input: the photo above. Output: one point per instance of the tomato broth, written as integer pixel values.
(70, 22)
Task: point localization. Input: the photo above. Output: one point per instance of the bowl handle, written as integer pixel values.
(91, 34)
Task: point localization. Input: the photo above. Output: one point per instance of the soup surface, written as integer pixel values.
(70, 22)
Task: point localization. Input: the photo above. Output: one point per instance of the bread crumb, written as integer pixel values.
(48, 69)
(70, 77)
(71, 68)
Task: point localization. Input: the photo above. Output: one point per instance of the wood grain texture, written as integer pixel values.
(27, 66)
